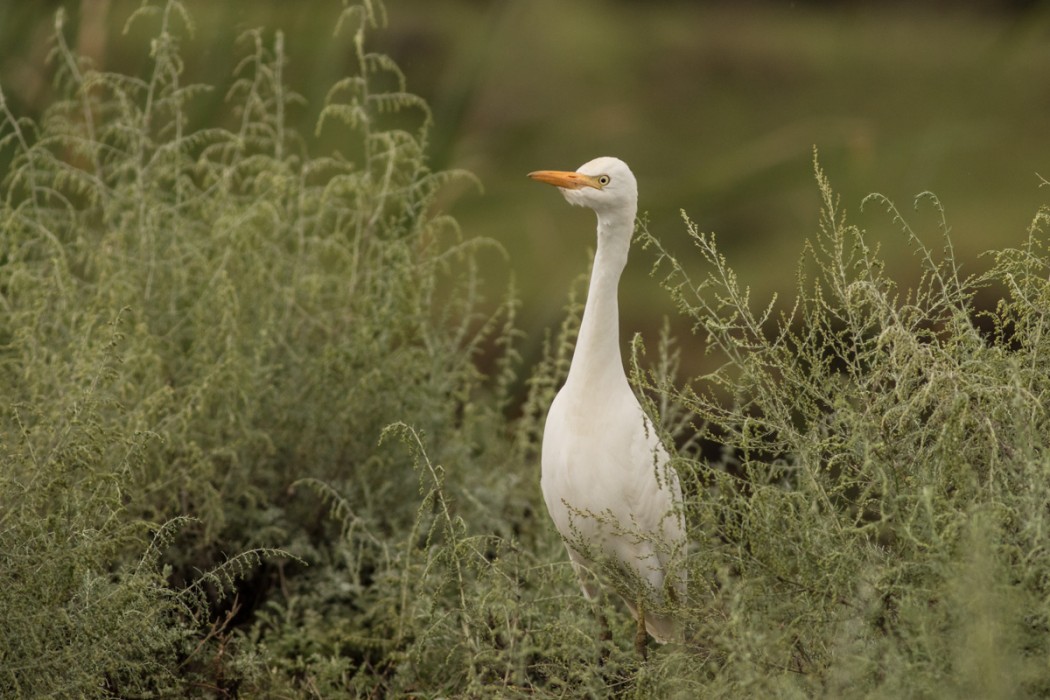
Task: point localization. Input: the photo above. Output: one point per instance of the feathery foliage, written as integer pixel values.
(194, 318)
(873, 526)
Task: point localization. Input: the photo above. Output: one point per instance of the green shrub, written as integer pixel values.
(195, 318)
(874, 525)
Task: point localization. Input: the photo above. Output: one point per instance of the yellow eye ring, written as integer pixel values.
(603, 180)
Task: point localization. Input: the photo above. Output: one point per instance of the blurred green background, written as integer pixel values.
(716, 107)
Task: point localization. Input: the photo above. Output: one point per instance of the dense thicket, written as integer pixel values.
(876, 525)
(205, 331)
(246, 449)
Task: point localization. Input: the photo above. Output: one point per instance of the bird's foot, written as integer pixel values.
(604, 636)
(641, 638)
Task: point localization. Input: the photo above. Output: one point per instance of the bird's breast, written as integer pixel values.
(598, 459)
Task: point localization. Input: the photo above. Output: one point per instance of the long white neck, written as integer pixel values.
(596, 361)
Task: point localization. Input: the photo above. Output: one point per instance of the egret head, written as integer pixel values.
(604, 184)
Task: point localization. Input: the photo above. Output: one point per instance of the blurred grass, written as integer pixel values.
(716, 108)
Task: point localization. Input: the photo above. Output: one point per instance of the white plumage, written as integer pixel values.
(605, 475)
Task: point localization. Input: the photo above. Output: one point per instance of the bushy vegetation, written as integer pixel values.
(205, 332)
(875, 526)
(247, 449)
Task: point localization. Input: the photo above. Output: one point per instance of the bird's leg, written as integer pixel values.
(604, 635)
(640, 636)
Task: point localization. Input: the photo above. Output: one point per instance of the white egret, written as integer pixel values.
(605, 475)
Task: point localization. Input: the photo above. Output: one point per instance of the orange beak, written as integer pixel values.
(565, 180)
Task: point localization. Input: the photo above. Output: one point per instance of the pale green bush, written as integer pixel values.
(874, 527)
(195, 318)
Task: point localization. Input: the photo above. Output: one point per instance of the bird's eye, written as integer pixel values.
(603, 180)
